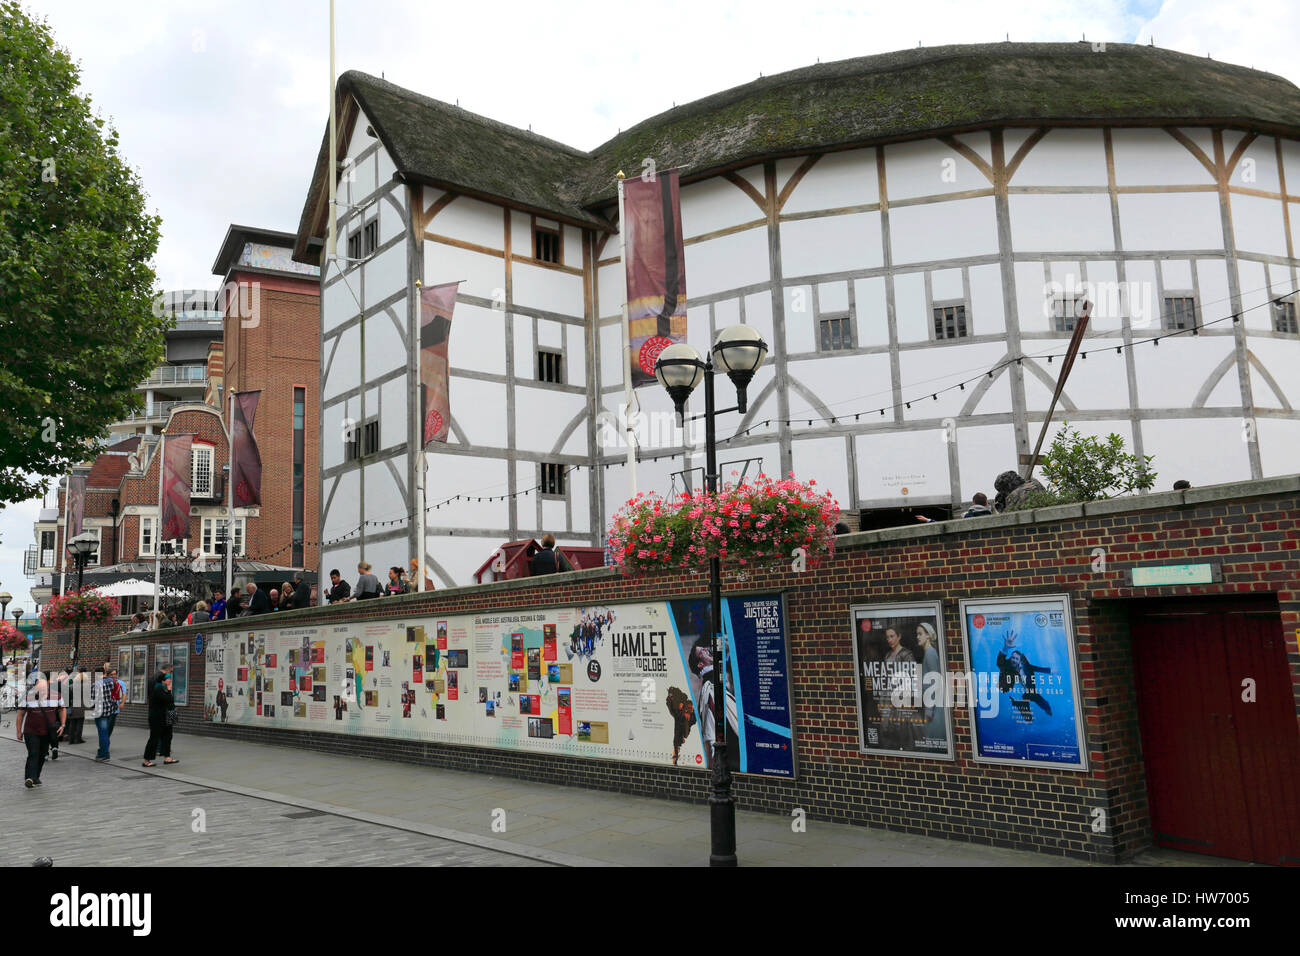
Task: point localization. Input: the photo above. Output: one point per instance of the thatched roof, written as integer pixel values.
(863, 101)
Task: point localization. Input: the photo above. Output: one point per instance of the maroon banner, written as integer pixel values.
(175, 488)
(436, 305)
(76, 505)
(656, 270)
(245, 459)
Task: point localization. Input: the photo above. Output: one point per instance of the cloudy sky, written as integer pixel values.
(221, 104)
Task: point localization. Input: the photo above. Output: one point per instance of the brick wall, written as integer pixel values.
(1252, 530)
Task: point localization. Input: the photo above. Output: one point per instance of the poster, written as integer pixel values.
(901, 666)
(628, 681)
(1024, 648)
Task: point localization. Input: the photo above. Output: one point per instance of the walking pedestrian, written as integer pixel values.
(106, 701)
(78, 698)
(162, 719)
(59, 690)
(41, 718)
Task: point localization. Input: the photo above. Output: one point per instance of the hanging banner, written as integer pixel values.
(656, 270)
(901, 668)
(245, 459)
(175, 520)
(1024, 647)
(436, 305)
(76, 504)
(615, 682)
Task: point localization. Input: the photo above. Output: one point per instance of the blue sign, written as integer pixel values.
(198, 644)
(760, 737)
(1026, 695)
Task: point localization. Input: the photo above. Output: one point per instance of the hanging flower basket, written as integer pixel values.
(87, 606)
(12, 639)
(757, 524)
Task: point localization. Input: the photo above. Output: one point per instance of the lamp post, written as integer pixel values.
(739, 351)
(81, 546)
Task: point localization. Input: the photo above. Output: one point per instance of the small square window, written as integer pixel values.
(1065, 312)
(552, 482)
(550, 367)
(1179, 312)
(950, 322)
(546, 244)
(1284, 318)
(836, 334)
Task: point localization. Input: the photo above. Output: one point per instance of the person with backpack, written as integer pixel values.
(106, 701)
(546, 561)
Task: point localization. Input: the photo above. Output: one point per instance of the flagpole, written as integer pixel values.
(230, 497)
(627, 346)
(331, 249)
(157, 538)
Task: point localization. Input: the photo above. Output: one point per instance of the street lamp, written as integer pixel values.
(739, 351)
(81, 546)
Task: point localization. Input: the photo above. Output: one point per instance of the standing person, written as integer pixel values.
(286, 597)
(40, 718)
(415, 575)
(78, 697)
(395, 583)
(217, 609)
(162, 717)
(235, 606)
(273, 601)
(979, 506)
(546, 561)
(258, 602)
(199, 615)
(340, 590)
(60, 690)
(106, 698)
(367, 583)
(301, 592)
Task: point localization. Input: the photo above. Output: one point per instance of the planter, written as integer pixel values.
(87, 606)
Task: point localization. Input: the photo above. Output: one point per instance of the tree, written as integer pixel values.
(1080, 468)
(78, 330)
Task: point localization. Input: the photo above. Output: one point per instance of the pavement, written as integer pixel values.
(268, 805)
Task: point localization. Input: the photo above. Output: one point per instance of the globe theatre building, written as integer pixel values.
(913, 234)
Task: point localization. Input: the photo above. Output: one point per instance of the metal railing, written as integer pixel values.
(178, 375)
(160, 410)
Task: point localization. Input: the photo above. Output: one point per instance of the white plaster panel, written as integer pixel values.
(359, 140)
(1257, 168)
(1033, 297)
(1257, 225)
(389, 553)
(1279, 446)
(357, 180)
(1176, 274)
(800, 320)
(1061, 222)
(987, 315)
(1254, 295)
(470, 221)
(909, 307)
(1141, 297)
(895, 467)
(1170, 374)
(1291, 167)
(383, 498)
(459, 556)
(542, 414)
(831, 244)
(755, 176)
(837, 180)
(391, 221)
(521, 233)
(1064, 157)
(548, 289)
(983, 453)
(468, 476)
(555, 515)
(1151, 157)
(1099, 381)
(929, 168)
(394, 418)
(478, 339)
(727, 312)
(758, 315)
(479, 409)
(609, 286)
(338, 305)
(872, 314)
(575, 367)
(944, 230)
(1227, 394)
(580, 498)
(611, 355)
(825, 460)
(714, 204)
(572, 237)
(344, 512)
(1110, 301)
(697, 326)
(484, 275)
(946, 284)
(385, 274)
(345, 372)
(385, 347)
(386, 168)
(1179, 447)
(942, 367)
(550, 334)
(833, 296)
(1263, 394)
(331, 435)
(1170, 221)
(727, 262)
(846, 384)
(997, 399)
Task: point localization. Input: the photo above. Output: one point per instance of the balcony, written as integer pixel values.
(158, 413)
(177, 375)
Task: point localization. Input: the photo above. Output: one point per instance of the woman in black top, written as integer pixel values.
(162, 717)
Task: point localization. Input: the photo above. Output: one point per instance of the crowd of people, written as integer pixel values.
(51, 712)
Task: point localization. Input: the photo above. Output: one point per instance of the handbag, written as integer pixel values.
(171, 718)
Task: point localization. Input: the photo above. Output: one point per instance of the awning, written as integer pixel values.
(135, 587)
